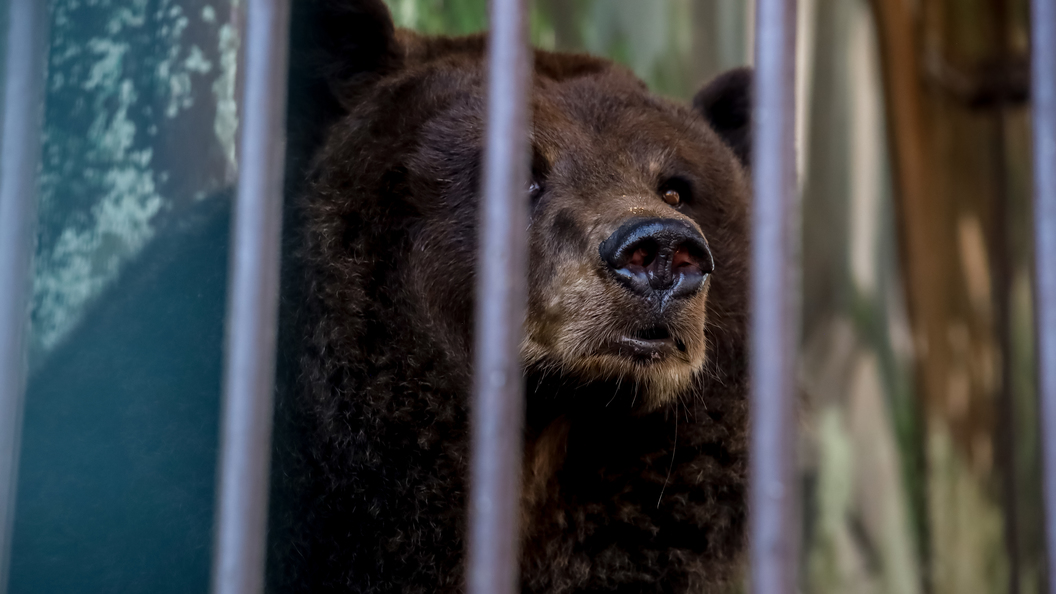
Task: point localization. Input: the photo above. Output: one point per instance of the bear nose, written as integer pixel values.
(651, 256)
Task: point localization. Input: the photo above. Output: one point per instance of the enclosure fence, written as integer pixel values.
(241, 523)
(498, 410)
(1043, 104)
(26, 59)
(774, 305)
(253, 306)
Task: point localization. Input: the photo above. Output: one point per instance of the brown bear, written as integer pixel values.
(634, 351)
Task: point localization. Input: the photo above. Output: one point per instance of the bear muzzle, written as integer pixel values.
(658, 258)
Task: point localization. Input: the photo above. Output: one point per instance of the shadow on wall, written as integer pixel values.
(116, 482)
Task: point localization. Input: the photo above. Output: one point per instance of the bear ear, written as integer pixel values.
(344, 40)
(726, 103)
(335, 45)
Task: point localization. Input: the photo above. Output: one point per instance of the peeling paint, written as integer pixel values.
(225, 126)
(117, 70)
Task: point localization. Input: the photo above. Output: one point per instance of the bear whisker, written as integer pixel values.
(674, 448)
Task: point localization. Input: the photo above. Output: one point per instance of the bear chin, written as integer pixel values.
(658, 373)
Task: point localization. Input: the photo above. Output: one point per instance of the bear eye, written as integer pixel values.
(676, 191)
(535, 192)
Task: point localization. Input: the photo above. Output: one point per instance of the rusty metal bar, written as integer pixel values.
(252, 309)
(1043, 105)
(773, 521)
(26, 64)
(498, 409)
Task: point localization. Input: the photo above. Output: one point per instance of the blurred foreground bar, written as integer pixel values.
(774, 313)
(252, 310)
(1043, 102)
(26, 57)
(497, 409)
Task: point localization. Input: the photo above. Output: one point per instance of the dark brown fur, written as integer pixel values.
(634, 471)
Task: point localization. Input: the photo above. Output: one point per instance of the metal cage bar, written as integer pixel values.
(497, 413)
(252, 310)
(1043, 105)
(26, 61)
(773, 300)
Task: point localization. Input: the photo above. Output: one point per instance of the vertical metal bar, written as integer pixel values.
(774, 529)
(26, 60)
(498, 414)
(252, 310)
(1043, 106)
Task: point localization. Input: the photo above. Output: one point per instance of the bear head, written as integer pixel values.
(637, 203)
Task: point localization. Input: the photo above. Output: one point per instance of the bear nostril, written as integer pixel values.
(683, 260)
(642, 258)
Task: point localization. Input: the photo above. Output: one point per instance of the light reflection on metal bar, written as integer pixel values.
(497, 411)
(774, 312)
(252, 310)
(26, 59)
(1043, 105)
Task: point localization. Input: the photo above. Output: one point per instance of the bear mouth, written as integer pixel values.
(648, 344)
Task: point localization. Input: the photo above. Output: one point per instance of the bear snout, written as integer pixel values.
(658, 258)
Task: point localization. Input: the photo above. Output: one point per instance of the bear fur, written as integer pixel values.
(634, 469)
